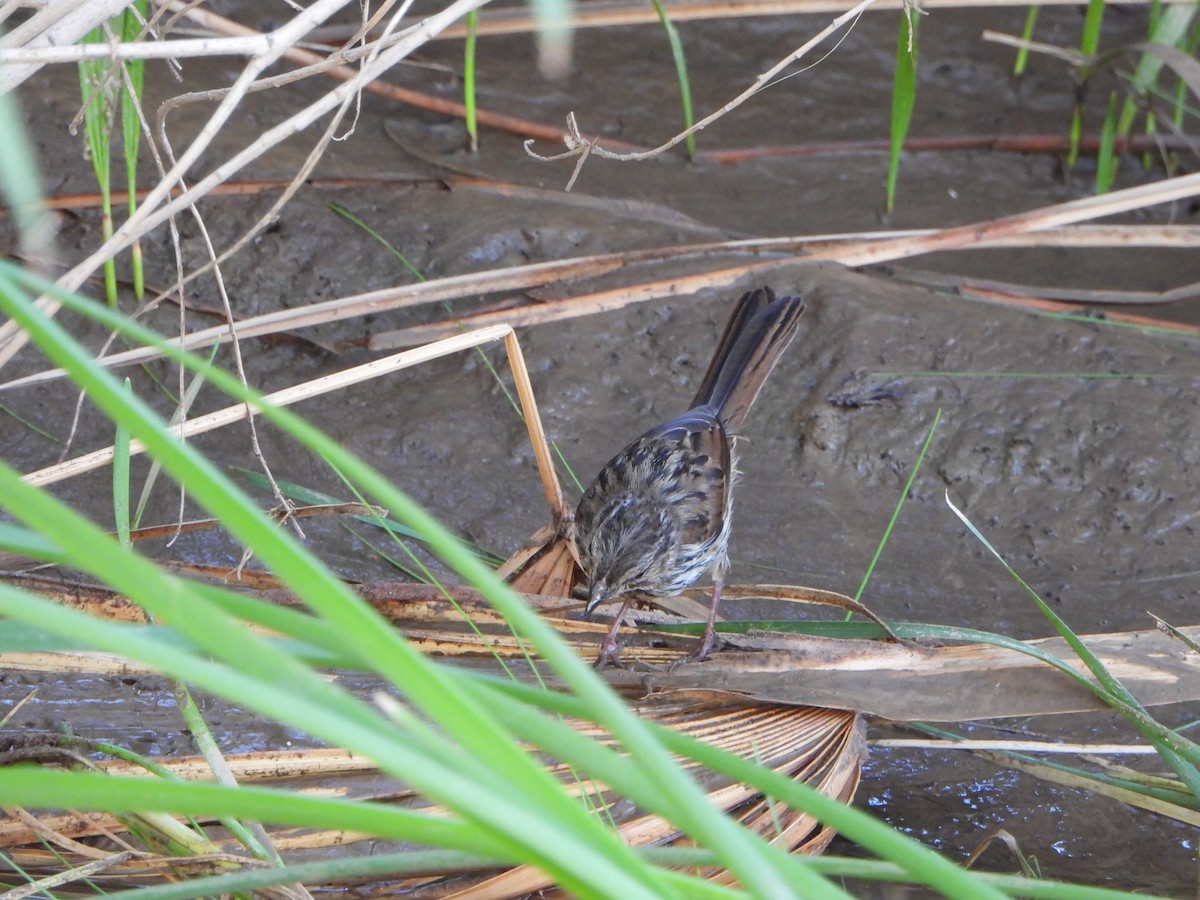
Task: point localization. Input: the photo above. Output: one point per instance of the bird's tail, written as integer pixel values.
(758, 332)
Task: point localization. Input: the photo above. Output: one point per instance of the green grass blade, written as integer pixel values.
(1088, 42)
(252, 837)
(131, 127)
(346, 214)
(1031, 17)
(120, 479)
(1183, 763)
(1106, 161)
(469, 51)
(44, 788)
(887, 532)
(26, 542)
(904, 96)
(681, 75)
(1092, 20)
(1168, 30)
(1075, 134)
(183, 405)
(98, 99)
(20, 184)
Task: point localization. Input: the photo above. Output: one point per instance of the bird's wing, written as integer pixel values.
(696, 474)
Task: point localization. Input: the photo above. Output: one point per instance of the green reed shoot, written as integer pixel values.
(1174, 29)
(120, 478)
(1181, 755)
(469, 82)
(131, 128)
(681, 74)
(1105, 162)
(904, 95)
(1087, 45)
(1022, 59)
(101, 82)
(98, 97)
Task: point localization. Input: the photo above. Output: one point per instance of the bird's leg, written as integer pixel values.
(709, 637)
(608, 647)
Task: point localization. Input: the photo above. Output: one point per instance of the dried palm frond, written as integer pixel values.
(823, 748)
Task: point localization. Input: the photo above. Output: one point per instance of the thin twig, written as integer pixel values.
(1016, 746)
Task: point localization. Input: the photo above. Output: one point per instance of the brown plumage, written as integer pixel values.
(658, 515)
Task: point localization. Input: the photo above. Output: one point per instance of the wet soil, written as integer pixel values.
(1086, 484)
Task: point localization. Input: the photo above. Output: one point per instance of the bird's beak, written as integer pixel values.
(598, 593)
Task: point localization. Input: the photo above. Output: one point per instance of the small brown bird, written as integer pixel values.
(657, 517)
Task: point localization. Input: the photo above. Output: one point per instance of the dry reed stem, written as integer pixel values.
(260, 766)
(1069, 213)
(1058, 307)
(1066, 54)
(1016, 746)
(1133, 798)
(990, 289)
(184, 48)
(533, 421)
(48, 832)
(76, 873)
(581, 305)
(55, 24)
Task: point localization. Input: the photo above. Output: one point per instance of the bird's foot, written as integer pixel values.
(609, 648)
(708, 641)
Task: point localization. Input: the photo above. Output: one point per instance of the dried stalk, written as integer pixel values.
(56, 24)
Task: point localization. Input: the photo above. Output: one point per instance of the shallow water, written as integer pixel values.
(1086, 486)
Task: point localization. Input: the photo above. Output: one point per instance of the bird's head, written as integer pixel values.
(599, 592)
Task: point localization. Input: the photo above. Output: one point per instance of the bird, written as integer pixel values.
(658, 516)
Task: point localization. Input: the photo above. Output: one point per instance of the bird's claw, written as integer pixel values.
(609, 649)
(706, 646)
